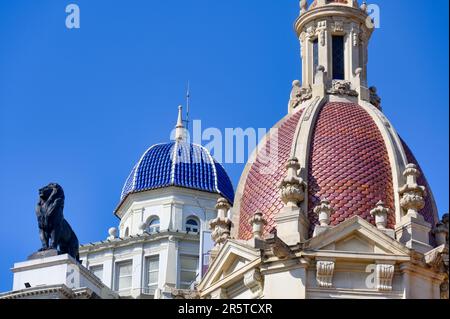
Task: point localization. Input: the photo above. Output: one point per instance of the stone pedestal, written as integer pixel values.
(61, 273)
(292, 225)
(320, 229)
(43, 254)
(414, 232)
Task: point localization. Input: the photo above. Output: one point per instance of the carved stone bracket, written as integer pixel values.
(254, 281)
(341, 87)
(275, 246)
(384, 276)
(324, 274)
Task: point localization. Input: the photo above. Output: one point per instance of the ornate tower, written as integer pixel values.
(334, 37)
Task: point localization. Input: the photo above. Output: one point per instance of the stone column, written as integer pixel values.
(413, 230)
(137, 281)
(292, 222)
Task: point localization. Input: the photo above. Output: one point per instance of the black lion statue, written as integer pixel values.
(54, 230)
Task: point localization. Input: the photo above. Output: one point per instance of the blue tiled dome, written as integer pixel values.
(178, 164)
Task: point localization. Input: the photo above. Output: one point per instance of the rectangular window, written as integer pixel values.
(338, 58)
(315, 57)
(152, 266)
(97, 271)
(188, 271)
(123, 275)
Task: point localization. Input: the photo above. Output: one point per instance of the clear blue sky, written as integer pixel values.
(80, 106)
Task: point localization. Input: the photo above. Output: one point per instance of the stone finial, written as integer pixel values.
(303, 6)
(364, 6)
(292, 186)
(324, 211)
(258, 221)
(380, 213)
(441, 231)
(179, 128)
(412, 195)
(375, 100)
(222, 207)
(221, 226)
(112, 233)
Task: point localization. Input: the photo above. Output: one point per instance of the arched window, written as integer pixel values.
(192, 225)
(153, 226)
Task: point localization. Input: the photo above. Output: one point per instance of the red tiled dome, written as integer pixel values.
(348, 165)
(261, 187)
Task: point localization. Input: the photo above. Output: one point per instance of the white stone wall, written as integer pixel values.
(173, 206)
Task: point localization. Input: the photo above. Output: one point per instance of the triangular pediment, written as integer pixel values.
(233, 257)
(356, 235)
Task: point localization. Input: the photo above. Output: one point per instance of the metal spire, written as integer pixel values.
(188, 96)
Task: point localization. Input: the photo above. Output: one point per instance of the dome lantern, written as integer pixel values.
(334, 35)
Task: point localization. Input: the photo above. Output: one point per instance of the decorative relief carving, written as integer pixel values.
(385, 274)
(311, 31)
(338, 26)
(324, 275)
(310, 109)
(323, 36)
(341, 87)
(299, 94)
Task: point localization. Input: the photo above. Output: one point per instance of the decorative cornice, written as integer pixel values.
(342, 87)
